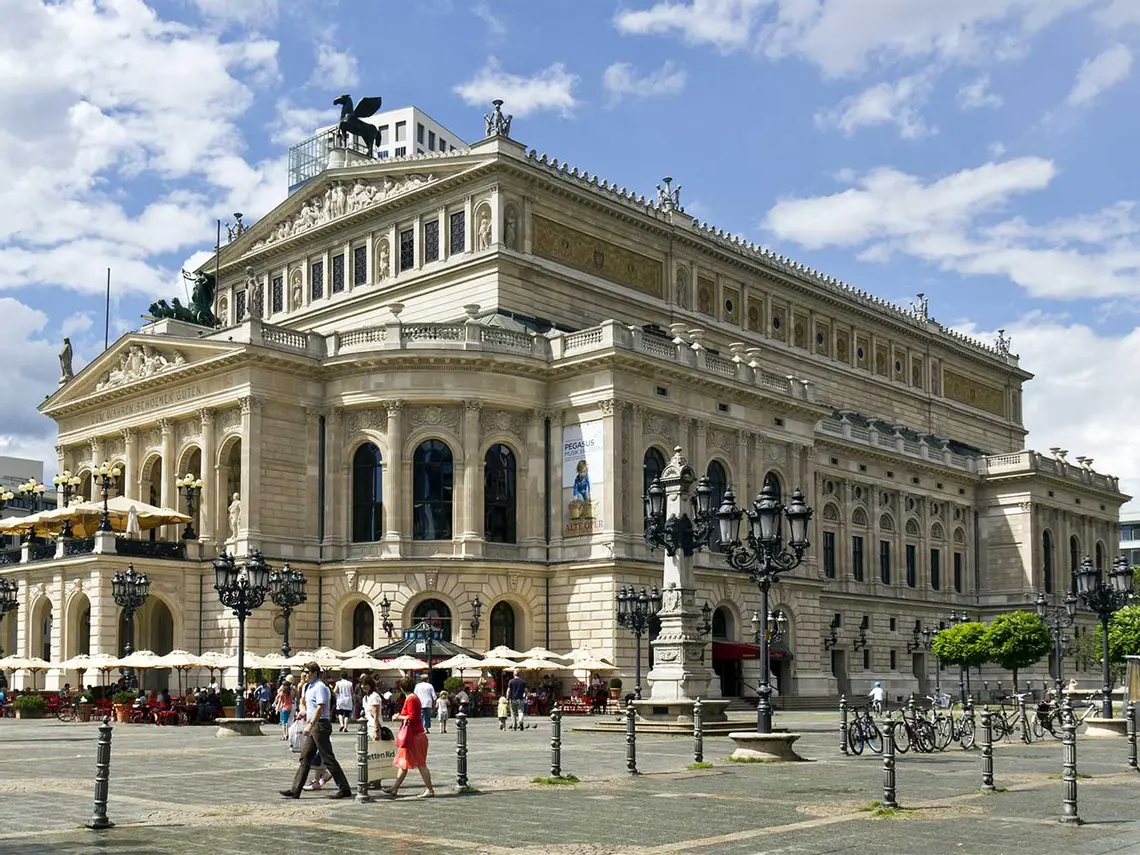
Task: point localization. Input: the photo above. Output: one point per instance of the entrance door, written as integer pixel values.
(919, 669)
(839, 671)
(731, 673)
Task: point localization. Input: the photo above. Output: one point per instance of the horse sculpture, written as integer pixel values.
(201, 308)
(352, 120)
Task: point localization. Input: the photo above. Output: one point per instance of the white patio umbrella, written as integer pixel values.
(504, 652)
(252, 660)
(326, 657)
(25, 663)
(359, 650)
(593, 665)
(408, 663)
(461, 662)
(582, 653)
(365, 662)
(181, 661)
(496, 662)
(542, 665)
(543, 653)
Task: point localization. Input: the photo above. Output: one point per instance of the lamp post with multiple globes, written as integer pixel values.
(243, 591)
(287, 590)
(65, 486)
(1105, 598)
(189, 486)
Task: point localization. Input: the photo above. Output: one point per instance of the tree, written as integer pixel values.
(1124, 634)
(961, 645)
(1016, 640)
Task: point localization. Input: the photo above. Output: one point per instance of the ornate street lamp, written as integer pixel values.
(287, 590)
(861, 642)
(65, 484)
(130, 590)
(105, 475)
(190, 487)
(1057, 619)
(476, 611)
(678, 533)
(832, 638)
(634, 612)
(243, 591)
(777, 625)
(33, 490)
(1105, 599)
(5, 497)
(762, 555)
(386, 617)
(705, 626)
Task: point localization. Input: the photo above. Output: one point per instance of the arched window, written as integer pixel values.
(503, 625)
(363, 618)
(367, 495)
(1099, 562)
(773, 480)
(720, 623)
(432, 487)
(1047, 560)
(83, 643)
(1074, 562)
(499, 495)
(653, 464)
(45, 635)
(718, 483)
(437, 613)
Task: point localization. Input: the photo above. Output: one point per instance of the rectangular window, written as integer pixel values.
(829, 554)
(359, 265)
(458, 231)
(317, 280)
(419, 133)
(431, 241)
(911, 565)
(407, 249)
(442, 144)
(866, 659)
(383, 138)
(431, 140)
(936, 569)
(857, 558)
(400, 151)
(893, 660)
(240, 306)
(419, 150)
(401, 131)
(338, 273)
(278, 294)
(885, 561)
(382, 154)
(958, 572)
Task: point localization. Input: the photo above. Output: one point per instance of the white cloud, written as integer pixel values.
(954, 223)
(621, 79)
(245, 13)
(1099, 73)
(31, 371)
(77, 322)
(996, 149)
(294, 123)
(496, 29)
(896, 103)
(725, 24)
(976, 94)
(549, 89)
(335, 69)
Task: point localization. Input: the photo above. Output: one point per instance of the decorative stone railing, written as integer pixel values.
(894, 442)
(1028, 461)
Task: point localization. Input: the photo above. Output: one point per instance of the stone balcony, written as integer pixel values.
(928, 449)
(1029, 462)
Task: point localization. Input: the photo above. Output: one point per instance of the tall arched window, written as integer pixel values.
(432, 488)
(653, 464)
(1074, 562)
(367, 495)
(499, 510)
(437, 613)
(503, 625)
(773, 480)
(720, 621)
(718, 483)
(1099, 560)
(1047, 561)
(363, 619)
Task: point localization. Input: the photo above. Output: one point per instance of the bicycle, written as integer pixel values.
(951, 728)
(68, 713)
(863, 731)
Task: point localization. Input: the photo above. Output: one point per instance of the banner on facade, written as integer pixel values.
(583, 478)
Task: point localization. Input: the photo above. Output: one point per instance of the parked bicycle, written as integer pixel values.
(862, 731)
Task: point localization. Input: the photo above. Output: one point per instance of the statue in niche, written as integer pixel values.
(295, 290)
(683, 288)
(65, 370)
(510, 228)
(484, 229)
(235, 516)
(383, 260)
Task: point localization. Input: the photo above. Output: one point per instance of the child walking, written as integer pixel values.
(443, 710)
(503, 711)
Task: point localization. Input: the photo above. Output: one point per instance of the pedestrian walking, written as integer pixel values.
(425, 691)
(411, 742)
(503, 711)
(343, 689)
(318, 737)
(370, 702)
(284, 705)
(443, 711)
(264, 700)
(516, 694)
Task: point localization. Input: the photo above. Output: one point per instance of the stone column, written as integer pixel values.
(208, 500)
(468, 226)
(96, 458)
(336, 479)
(557, 506)
(635, 473)
(531, 526)
(394, 495)
(131, 465)
(168, 497)
(472, 511)
(249, 528)
(743, 481)
(611, 435)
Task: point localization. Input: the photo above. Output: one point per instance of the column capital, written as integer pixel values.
(127, 433)
(250, 403)
(206, 416)
(702, 426)
(395, 406)
(472, 409)
(316, 412)
(166, 426)
(683, 422)
(640, 410)
(743, 438)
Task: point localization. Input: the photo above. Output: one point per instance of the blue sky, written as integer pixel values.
(977, 151)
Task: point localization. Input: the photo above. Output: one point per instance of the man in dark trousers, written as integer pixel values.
(516, 694)
(318, 736)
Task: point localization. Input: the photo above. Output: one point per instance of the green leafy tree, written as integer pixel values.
(1016, 640)
(1124, 634)
(961, 644)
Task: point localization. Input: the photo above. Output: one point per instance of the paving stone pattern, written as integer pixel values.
(181, 790)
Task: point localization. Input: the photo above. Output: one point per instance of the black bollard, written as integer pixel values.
(1069, 764)
(843, 724)
(631, 739)
(987, 751)
(102, 777)
(970, 716)
(1026, 736)
(1131, 713)
(699, 733)
(889, 765)
(461, 750)
(362, 796)
(556, 741)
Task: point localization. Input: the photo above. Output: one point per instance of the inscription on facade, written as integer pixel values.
(965, 390)
(146, 404)
(593, 255)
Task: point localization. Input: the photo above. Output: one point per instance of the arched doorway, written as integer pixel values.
(150, 482)
(773, 480)
(503, 625)
(78, 627)
(363, 625)
(42, 628)
(153, 631)
(727, 656)
(437, 613)
(652, 465)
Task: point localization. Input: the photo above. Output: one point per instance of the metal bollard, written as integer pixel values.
(970, 715)
(556, 741)
(987, 751)
(1023, 721)
(102, 777)
(461, 749)
(699, 733)
(1069, 764)
(843, 724)
(631, 739)
(362, 796)
(889, 765)
(1131, 713)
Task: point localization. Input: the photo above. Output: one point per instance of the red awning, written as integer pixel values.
(739, 650)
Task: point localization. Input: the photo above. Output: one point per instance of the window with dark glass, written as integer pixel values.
(720, 624)
(936, 569)
(458, 231)
(382, 139)
(359, 265)
(1074, 562)
(1047, 561)
(911, 565)
(958, 572)
(829, 554)
(278, 297)
(367, 495)
(718, 482)
(240, 301)
(338, 273)
(503, 625)
(893, 660)
(407, 249)
(437, 614)
(419, 133)
(431, 241)
(431, 140)
(885, 561)
(432, 489)
(317, 280)
(773, 480)
(442, 144)
(653, 463)
(857, 558)
(866, 658)
(401, 131)
(499, 511)
(363, 623)
(400, 151)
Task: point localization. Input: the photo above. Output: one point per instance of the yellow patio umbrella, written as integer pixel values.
(88, 516)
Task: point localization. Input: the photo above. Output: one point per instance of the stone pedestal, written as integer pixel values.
(680, 711)
(1102, 728)
(228, 727)
(751, 745)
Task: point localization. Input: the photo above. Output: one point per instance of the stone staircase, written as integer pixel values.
(816, 703)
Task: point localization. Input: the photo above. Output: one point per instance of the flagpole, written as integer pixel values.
(107, 314)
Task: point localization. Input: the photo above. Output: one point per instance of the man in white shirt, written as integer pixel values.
(318, 737)
(425, 691)
(343, 691)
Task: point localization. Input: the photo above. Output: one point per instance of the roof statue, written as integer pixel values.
(669, 198)
(352, 120)
(1002, 343)
(498, 125)
(201, 308)
(65, 370)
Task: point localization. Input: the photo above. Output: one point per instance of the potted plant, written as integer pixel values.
(83, 708)
(121, 703)
(452, 685)
(228, 700)
(29, 706)
(615, 689)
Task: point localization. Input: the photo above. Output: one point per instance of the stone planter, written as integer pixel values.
(122, 713)
(30, 713)
(83, 711)
(229, 712)
(615, 693)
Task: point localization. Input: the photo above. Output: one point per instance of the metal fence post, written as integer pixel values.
(102, 776)
(1023, 721)
(1069, 764)
(556, 741)
(843, 724)
(461, 749)
(631, 739)
(889, 765)
(987, 751)
(1131, 714)
(362, 796)
(699, 732)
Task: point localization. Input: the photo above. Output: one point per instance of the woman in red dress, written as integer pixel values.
(411, 742)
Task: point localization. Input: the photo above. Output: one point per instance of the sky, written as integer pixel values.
(978, 151)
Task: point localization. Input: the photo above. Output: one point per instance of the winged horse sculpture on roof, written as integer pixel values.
(352, 120)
